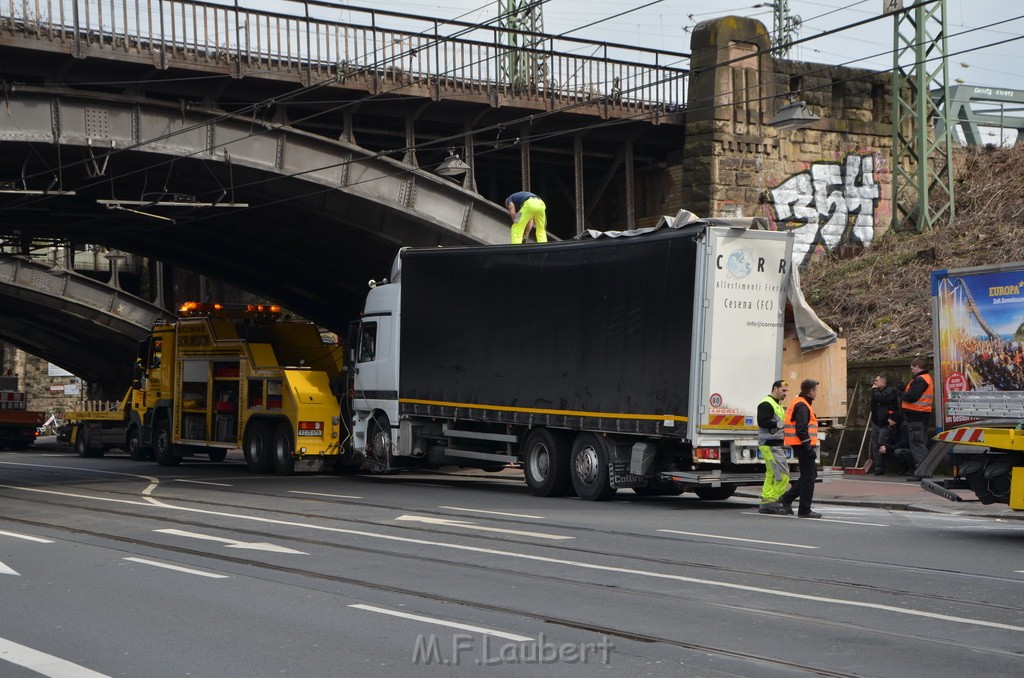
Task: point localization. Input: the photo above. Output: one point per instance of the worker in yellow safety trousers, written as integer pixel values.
(770, 417)
(528, 211)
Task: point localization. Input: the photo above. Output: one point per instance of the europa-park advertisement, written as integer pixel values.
(980, 326)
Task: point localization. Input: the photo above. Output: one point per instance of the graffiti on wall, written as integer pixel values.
(828, 205)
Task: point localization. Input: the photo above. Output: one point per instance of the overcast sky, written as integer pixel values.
(664, 25)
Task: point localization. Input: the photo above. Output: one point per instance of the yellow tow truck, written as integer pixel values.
(989, 453)
(225, 377)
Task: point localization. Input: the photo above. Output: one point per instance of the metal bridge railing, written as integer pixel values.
(318, 41)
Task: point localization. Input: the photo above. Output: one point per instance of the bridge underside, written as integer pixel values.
(87, 327)
(296, 218)
(323, 216)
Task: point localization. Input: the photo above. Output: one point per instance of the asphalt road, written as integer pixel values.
(114, 568)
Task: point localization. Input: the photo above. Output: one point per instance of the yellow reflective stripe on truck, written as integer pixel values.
(537, 410)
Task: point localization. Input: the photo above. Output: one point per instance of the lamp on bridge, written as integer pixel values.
(794, 115)
(452, 166)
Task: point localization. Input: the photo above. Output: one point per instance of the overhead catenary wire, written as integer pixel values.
(254, 108)
(198, 217)
(445, 141)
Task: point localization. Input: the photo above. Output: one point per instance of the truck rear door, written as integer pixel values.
(738, 329)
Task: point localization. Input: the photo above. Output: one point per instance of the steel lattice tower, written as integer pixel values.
(522, 65)
(922, 142)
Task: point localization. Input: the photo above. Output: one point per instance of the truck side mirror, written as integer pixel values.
(353, 340)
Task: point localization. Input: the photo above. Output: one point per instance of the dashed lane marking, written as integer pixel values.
(444, 622)
(42, 663)
(493, 513)
(177, 568)
(752, 541)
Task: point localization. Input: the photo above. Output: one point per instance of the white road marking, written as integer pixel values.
(752, 541)
(482, 528)
(493, 513)
(6, 570)
(26, 537)
(177, 568)
(849, 522)
(42, 663)
(152, 501)
(442, 622)
(819, 520)
(324, 494)
(201, 482)
(234, 543)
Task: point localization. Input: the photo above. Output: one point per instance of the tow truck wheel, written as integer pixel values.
(257, 447)
(135, 450)
(163, 448)
(589, 466)
(284, 450)
(546, 463)
(81, 448)
(715, 493)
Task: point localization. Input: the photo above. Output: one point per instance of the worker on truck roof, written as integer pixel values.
(527, 211)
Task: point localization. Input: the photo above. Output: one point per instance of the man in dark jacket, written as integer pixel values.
(801, 433)
(894, 446)
(917, 401)
(884, 400)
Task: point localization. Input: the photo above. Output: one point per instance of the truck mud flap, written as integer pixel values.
(619, 476)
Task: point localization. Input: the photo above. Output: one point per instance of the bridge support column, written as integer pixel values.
(577, 158)
(524, 165)
(630, 200)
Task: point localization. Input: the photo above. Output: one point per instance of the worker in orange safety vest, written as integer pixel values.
(801, 433)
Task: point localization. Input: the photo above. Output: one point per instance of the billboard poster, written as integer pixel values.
(980, 325)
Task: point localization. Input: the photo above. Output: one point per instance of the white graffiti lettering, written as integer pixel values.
(829, 205)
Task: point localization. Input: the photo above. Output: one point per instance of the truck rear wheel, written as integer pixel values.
(163, 448)
(257, 447)
(135, 450)
(715, 493)
(218, 455)
(81, 447)
(546, 463)
(284, 450)
(588, 464)
(82, 444)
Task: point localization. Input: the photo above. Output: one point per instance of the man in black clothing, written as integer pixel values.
(884, 400)
(895, 445)
(801, 433)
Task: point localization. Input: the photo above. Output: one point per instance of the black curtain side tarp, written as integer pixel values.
(599, 326)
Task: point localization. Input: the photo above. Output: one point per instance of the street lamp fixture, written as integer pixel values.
(794, 115)
(452, 166)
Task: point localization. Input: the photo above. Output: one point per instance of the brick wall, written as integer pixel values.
(830, 183)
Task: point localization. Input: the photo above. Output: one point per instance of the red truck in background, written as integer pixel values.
(18, 425)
